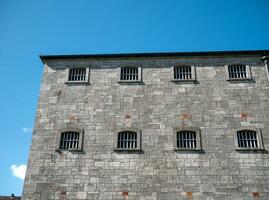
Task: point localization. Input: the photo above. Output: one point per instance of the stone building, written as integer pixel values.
(12, 197)
(152, 126)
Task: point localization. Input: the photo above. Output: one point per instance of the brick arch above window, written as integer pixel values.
(127, 139)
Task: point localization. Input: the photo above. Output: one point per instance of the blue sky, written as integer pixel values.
(30, 28)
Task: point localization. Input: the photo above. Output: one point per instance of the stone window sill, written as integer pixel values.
(126, 81)
(249, 149)
(77, 83)
(69, 150)
(126, 150)
(188, 149)
(240, 80)
(184, 81)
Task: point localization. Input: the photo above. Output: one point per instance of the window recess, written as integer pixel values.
(183, 73)
(238, 72)
(70, 139)
(129, 74)
(248, 139)
(128, 140)
(187, 138)
(78, 75)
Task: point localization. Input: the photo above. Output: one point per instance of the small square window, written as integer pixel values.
(129, 74)
(128, 140)
(187, 138)
(78, 75)
(69, 141)
(183, 73)
(248, 139)
(237, 72)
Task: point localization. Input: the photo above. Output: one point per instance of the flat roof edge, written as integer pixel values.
(159, 54)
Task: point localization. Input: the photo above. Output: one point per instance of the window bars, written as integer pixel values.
(237, 71)
(127, 140)
(182, 73)
(186, 139)
(77, 75)
(69, 140)
(247, 139)
(129, 74)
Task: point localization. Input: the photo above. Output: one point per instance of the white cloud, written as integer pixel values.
(26, 130)
(18, 171)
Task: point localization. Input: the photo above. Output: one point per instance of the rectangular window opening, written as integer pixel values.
(77, 75)
(247, 139)
(127, 140)
(237, 71)
(129, 74)
(186, 139)
(69, 140)
(182, 73)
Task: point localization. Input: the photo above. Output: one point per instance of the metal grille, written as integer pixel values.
(186, 139)
(69, 140)
(127, 140)
(182, 73)
(247, 139)
(129, 73)
(237, 71)
(77, 74)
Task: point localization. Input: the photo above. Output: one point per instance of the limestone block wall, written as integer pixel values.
(156, 106)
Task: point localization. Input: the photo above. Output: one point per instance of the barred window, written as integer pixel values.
(237, 71)
(127, 140)
(129, 74)
(70, 141)
(77, 75)
(182, 73)
(186, 139)
(247, 139)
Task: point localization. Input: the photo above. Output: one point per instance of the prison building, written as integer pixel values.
(151, 126)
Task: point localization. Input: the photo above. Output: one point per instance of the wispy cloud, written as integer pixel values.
(27, 130)
(18, 171)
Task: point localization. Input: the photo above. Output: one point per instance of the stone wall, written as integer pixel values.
(156, 106)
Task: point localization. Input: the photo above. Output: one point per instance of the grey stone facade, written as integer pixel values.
(157, 106)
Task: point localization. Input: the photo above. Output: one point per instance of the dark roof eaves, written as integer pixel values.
(160, 54)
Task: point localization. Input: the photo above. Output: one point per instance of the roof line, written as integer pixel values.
(157, 54)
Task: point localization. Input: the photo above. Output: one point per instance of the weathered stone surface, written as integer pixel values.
(213, 104)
